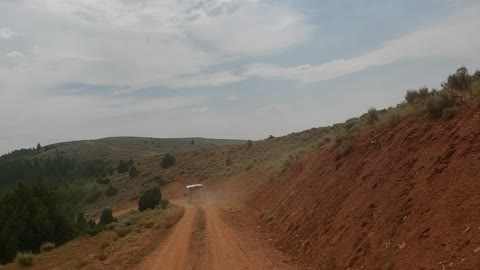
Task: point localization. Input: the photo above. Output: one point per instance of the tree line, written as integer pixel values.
(43, 205)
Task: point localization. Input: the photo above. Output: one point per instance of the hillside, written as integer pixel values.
(118, 148)
(406, 196)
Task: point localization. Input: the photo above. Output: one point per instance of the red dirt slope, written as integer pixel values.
(407, 196)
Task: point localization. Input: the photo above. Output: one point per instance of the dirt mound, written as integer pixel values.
(407, 196)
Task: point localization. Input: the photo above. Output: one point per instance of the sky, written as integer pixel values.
(247, 69)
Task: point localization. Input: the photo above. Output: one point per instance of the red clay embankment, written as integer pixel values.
(407, 196)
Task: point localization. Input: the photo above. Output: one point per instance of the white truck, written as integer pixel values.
(196, 194)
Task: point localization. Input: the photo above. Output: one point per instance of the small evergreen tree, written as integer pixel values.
(39, 146)
(192, 142)
(168, 161)
(133, 172)
(106, 217)
(111, 191)
(149, 199)
(81, 221)
(249, 143)
(122, 167)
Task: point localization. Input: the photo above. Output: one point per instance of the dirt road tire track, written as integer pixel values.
(201, 240)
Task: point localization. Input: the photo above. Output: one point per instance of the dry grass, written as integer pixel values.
(108, 247)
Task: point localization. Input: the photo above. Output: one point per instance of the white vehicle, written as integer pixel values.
(195, 194)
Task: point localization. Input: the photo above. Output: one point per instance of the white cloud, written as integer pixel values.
(252, 27)
(233, 26)
(202, 80)
(150, 43)
(200, 109)
(455, 38)
(15, 54)
(7, 33)
(274, 107)
(232, 98)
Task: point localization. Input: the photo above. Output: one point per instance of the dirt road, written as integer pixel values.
(202, 240)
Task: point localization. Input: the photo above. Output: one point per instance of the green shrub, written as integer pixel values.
(392, 117)
(133, 172)
(107, 217)
(111, 191)
(112, 226)
(102, 181)
(228, 162)
(159, 180)
(149, 199)
(47, 246)
(168, 161)
(411, 96)
(164, 204)
(417, 96)
(345, 147)
(93, 195)
(442, 104)
(372, 115)
(122, 231)
(249, 143)
(122, 167)
(460, 81)
(24, 259)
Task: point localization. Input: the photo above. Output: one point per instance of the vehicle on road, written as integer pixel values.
(196, 194)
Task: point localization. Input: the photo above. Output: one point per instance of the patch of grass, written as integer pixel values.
(82, 264)
(123, 231)
(24, 259)
(111, 191)
(104, 246)
(47, 246)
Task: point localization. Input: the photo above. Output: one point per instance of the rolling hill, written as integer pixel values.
(118, 148)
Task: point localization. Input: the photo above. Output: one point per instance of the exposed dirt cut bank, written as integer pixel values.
(406, 197)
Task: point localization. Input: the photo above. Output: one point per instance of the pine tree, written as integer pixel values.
(149, 199)
(106, 217)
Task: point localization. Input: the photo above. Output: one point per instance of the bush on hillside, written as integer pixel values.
(372, 115)
(149, 199)
(93, 195)
(92, 228)
(417, 96)
(47, 246)
(249, 143)
(81, 222)
(106, 217)
(24, 259)
(228, 162)
(442, 104)
(103, 180)
(168, 161)
(133, 172)
(122, 231)
(460, 81)
(122, 167)
(111, 191)
(164, 204)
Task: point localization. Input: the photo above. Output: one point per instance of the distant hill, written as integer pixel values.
(118, 148)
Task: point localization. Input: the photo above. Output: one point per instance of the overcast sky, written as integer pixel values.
(85, 69)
